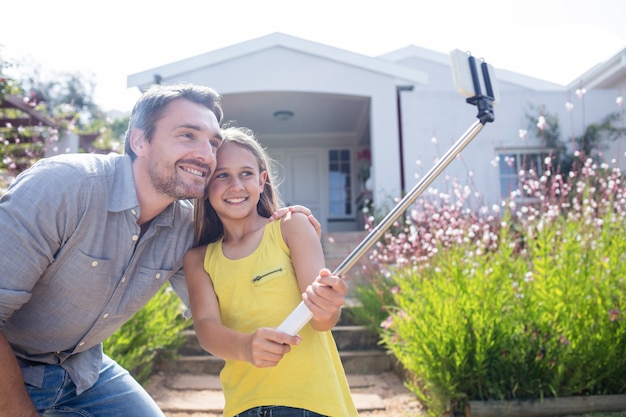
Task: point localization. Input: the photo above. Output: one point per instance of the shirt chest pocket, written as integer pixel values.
(82, 280)
(143, 285)
(264, 277)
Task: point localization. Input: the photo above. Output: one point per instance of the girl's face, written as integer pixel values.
(237, 184)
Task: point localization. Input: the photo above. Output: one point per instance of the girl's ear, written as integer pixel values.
(262, 180)
(137, 141)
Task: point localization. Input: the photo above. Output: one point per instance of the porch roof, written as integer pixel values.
(402, 74)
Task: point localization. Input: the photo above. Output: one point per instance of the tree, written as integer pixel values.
(546, 126)
(588, 145)
(595, 135)
(67, 100)
(63, 95)
(7, 84)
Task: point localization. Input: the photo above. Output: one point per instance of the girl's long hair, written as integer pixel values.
(208, 227)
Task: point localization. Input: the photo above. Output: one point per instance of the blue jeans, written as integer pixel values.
(115, 394)
(277, 411)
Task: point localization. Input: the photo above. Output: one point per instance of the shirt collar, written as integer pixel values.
(124, 193)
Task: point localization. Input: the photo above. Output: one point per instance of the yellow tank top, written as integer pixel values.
(260, 290)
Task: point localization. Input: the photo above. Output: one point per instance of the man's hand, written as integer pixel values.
(14, 400)
(299, 209)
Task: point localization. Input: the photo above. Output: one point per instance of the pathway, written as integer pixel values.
(190, 395)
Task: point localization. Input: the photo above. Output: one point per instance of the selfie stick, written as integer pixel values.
(465, 75)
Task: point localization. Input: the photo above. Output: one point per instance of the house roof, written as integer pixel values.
(604, 75)
(510, 77)
(401, 73)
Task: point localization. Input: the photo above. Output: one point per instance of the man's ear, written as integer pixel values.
(137, 141)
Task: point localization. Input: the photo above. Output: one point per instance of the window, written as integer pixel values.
(339, 183)
(511, 163)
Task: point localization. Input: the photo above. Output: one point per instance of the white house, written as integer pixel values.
(331, 116)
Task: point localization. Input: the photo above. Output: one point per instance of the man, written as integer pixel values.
(87, 241)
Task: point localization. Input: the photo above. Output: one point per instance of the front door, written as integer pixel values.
(303, 175)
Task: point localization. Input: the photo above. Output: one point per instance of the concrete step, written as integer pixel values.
(355, 337)
(338, 245)
(347, 337)
(359, 350)
(204, 364)
(358, 347)
(342, 237)
(359, 362)
(354, 363)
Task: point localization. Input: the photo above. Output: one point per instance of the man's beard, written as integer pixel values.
(169, 183)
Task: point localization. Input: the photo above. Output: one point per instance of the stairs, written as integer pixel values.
(358, 349)
(338, 245)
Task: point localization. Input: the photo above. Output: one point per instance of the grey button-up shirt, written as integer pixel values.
(73, 268)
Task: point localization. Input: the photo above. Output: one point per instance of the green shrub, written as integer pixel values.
(497, 327)
(374, 297)
(157, 326)
(524, 307)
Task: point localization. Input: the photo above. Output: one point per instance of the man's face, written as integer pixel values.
(181, 155)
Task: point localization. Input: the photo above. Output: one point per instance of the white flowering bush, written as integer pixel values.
(519, 301)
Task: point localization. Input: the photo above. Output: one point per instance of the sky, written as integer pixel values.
(554, 40)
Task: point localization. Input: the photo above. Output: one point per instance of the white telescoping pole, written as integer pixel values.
(301, 315)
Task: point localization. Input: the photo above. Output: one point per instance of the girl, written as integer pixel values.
(245, 279)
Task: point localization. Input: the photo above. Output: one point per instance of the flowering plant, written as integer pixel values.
(364, 171)
(519, 301)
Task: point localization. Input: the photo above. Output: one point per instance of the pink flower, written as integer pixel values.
(387, 323)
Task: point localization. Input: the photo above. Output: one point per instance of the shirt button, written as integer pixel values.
(94, 264)
(158, 275)
(134, 212)
(123, 280)
(105, 315)
(81, 343)
(135, 238)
